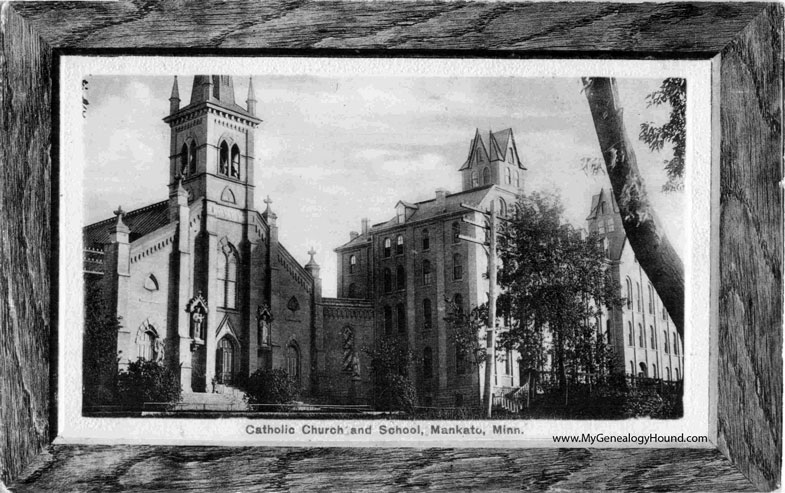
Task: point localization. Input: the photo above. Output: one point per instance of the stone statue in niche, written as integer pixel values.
(264, 320)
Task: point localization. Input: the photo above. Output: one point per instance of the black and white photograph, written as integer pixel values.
(372, 247)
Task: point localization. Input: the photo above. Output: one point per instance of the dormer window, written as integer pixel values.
(401, 213)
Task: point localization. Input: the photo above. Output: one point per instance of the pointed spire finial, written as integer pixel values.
(250, 102)
(174, 99)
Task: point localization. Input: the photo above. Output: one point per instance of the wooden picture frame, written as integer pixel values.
(744, 42)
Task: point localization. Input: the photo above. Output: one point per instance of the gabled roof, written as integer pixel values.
(495, 149)
(595, 203)
(140, 221)
(408, 205)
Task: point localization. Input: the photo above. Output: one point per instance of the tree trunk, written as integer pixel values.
(657, 257)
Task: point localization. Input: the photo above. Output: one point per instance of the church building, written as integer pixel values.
(200, 281)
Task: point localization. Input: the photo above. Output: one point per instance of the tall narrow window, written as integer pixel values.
(457, 267)
(608, 332)
(667, 372)
(517, 179)
(653, 338)
(401, 318)
(643, 372)
(426, 313)
(387, 248)
(651, 299)
(654, 373)
(352, 264)
(145, 346)
(678, 376)
(427, 362)
(641, 336)
(184, 160)
(426, 240)
(458, 301)
(631, 337)
(399, 245)
(293, 362)
(400, 277)
(502, 207)
(387, 279)
(486, 176)
(638, 296)
(224, 361)
(456, 232)
(675, 344)
(192, 158)
(632, 368)
(388, 322)
(427, 277)
(475, 179)
(507, 176)
(629, 294)
(666, 339)
(228, 278)
(223, 159)
(235, 171)
(508, 362)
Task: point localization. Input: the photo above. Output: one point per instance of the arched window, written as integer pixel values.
(632, 368)
(475, 179)
(400, 277)
(651, 299)
(352, 264)
(427, 362)
(235, 171)
(223, 159)
(184, 160)
(676, 344)
(608, 331)
(457, 267)
(456, 232)
(399, 245)
(228, 278)
(145, 346)
(293, 361)
(678, 376)
(486, 176)
(507, 176)
(667, 340)
(502, 207)
(517, 179)
(352, 290)
(387, 248)
(631, 339)
(668, 372)
(641, 336)
(426, 240)
(224, 361)
(458, 301)
(510, 155)
(427, 277)
(629, 294)
(652, 338)
(654, 373)
(387, 280)
(192, 158)
(388, 322)
(401, 318)
(643, 372)
(664, 313)
(602, 207)
(638, 296)
(426, 313)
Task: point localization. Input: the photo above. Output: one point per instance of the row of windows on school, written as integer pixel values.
(461, 362)
(427, 315)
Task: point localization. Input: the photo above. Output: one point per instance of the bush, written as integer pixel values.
(397, 393)
(270, 387)
(147, 381)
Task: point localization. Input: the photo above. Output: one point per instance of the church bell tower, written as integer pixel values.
(212, 142)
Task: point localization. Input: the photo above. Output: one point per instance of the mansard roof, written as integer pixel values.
(141, 221)
(494, 148)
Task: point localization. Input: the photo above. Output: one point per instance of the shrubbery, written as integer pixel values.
(269, 387)
(147, 381)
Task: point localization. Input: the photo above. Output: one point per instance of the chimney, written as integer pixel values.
(441, 197)
(353, 235)
(364, 226)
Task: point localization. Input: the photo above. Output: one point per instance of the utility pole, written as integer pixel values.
(490, 350)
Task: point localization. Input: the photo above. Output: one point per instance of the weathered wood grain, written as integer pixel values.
(751, 250)
(25, 243)
(140, 468)
(630, 29)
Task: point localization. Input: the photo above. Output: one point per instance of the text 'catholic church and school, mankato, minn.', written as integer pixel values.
(200, 281)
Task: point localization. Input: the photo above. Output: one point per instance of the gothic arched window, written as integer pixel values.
(653, 337)
(387, 279)
(184, 160)
(145, 346)
(507, 176)
(631, 336)
(235, 170)
(426, 313)
(427, 362)
(399, 245)
(400, 277)
(643, 372)
(388, 323)
(293, 361)
(228, 278)
(667, 340)
(387, 248)
(502, 207)
(486, 176)
(401, 318)
(517, 179)
(668, 372)
(629, 293)
(675, 344)
(641, 336)
(223, 159)
(475, 179)
(192, 158)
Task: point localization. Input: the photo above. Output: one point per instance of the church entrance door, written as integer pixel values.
(224, 360)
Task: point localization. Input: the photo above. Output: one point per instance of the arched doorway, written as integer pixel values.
(224, 361)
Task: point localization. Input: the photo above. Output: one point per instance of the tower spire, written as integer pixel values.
(174, 99)
(251, 100)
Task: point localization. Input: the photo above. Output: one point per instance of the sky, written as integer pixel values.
(332, 150)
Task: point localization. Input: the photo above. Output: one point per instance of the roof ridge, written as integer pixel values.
(129, 213)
